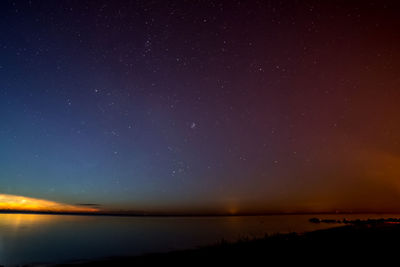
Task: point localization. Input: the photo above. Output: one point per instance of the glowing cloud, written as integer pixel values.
(21, 203)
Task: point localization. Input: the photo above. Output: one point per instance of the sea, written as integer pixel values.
(48, 239)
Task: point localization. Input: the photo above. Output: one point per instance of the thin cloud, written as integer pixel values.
(22, 203)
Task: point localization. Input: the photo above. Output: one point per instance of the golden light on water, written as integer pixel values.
(21, 203)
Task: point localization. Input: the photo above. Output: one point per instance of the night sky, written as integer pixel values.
(202, 106)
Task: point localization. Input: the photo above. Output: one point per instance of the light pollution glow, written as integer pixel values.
(21, 203)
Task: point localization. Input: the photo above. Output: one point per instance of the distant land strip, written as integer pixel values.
(155, 214)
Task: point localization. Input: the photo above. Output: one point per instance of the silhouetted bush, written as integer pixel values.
(314, 220)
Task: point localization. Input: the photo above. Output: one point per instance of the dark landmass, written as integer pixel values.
(359, 243)
(356, 222)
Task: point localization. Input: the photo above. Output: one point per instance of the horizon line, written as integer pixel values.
(175, 214)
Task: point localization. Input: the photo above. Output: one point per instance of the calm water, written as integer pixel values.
(58, 238)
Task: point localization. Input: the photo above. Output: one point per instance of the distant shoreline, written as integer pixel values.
(125, 214)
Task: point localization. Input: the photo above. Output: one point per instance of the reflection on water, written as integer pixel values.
(14, 222)
(57, 238)
(1, 249)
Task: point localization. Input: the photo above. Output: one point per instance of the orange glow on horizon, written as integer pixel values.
(21, 203)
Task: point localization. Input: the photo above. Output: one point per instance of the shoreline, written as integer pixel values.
(348, 242)
(139, 214)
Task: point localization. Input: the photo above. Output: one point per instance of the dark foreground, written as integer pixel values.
(357, 244)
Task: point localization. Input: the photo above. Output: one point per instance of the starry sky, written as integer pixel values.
(202, 106)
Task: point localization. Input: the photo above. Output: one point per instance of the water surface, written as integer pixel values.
(27, 238)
